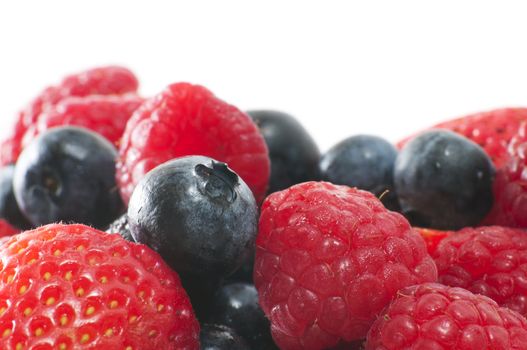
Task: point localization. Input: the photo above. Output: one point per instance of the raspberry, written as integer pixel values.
(104, 114)
(186, 120)
(435, 317)
(328, 259)
(73, 287)
(111, 80)
(486, 260)
(492, 130)
(510, 186)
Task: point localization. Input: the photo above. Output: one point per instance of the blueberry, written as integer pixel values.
(9, 209)
(362, 161)
(121, 227)
(218, 337)
(68, 174)
(236, 306)
(293, 152)
(444, 181)
(244, 273)
(198, 214)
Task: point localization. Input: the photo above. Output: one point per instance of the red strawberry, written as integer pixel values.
(185, 120)
(492, 130)
(510, 186)
(328, 259)
(432, 237)
(111, 80)
(488, 260)
(435, 317)
(71, 287)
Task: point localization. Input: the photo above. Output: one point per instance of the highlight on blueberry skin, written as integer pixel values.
(220, 337)
(68, 174)
(444, 181)
(198, 214)
(365, 162)
(121, 227)
(293, 152)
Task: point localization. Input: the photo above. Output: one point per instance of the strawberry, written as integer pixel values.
(432, 237)
(492, 130)
(510, 186)
(73, 287)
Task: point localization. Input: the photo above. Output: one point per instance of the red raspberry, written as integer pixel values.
(492, 130)
(110, 80)
(432, 237)
(486, 260)
(510, 186)
(106, 115)
(435, 317)
(328, 259)
(187, 120)
(73, 287)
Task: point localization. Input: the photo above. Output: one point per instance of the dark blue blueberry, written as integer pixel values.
(68, 174)
(293, 152)
(199, 216)
(9, 209)
(362, 161)
(444, 181)
(121, 227)
(244, 273)
(236, 306)
(218, 337)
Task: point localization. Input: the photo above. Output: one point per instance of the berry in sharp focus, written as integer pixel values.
(9, 209)
(293, 152)
(329, 258)
(68, 174)
(362, 161)
(444, 181)
(236, 306)
(198, 214)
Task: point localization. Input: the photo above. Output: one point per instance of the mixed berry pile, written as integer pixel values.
(179, 221)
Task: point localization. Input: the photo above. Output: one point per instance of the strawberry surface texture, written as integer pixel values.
(73, 287)
(510, 186)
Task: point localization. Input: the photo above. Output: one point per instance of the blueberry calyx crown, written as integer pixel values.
(219, 181)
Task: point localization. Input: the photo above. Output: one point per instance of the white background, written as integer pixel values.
(341, 67)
